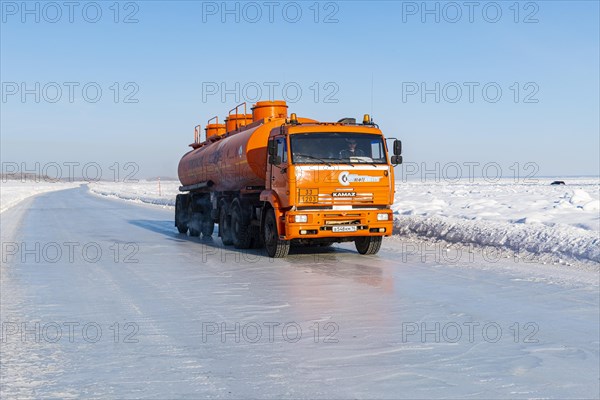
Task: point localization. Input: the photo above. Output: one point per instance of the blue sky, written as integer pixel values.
(368, 56)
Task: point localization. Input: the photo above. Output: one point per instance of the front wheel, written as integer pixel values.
(276, 248)
(368, 244)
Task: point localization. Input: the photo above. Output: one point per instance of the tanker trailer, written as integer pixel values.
(269, 180)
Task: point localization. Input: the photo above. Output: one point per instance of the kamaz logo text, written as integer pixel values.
(344, 194)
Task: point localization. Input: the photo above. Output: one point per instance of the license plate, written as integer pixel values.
(344, 229)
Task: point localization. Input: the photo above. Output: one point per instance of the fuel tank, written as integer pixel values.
(239, 158)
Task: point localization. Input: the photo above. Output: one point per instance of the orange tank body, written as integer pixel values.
(231, 163)
(239, 159)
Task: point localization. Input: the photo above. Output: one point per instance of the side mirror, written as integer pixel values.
(272, 148)
(396, 159)
(397, 148)
(274, 160)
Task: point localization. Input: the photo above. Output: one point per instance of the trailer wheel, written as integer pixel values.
(195, 224)
(239, 228)
(181, 216)
(208, 226)
(368, 244)
(276, 248)
(225, 226)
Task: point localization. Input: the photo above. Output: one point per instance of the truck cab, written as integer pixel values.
(330, 182)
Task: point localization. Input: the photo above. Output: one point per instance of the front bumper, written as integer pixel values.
(337, 224)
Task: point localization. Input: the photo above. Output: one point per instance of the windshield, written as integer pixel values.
(337, 148)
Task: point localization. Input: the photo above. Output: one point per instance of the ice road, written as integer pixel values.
(101, 298)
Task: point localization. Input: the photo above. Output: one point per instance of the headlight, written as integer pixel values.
(383, 217)
(301, 218)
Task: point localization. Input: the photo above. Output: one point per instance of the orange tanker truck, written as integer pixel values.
(270, 180)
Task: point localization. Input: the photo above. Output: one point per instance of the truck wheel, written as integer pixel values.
(239, 228)
(368, 244)
(208, 226)
(195, 225)
(181, 217)
(225, 227)
(257, 242)
(276, 248)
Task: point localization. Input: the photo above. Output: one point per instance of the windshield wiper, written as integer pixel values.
(313, 158)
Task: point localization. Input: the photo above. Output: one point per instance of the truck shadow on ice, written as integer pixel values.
(167, 229)
(334, 261)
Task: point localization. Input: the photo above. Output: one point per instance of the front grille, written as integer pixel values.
(359, 198)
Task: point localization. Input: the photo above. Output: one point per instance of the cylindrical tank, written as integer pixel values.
(232, 163)
(234, 121)
(213, 130)
(269, 109)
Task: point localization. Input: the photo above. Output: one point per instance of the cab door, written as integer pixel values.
(278, 173)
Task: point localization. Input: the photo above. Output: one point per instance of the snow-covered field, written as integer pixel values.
(562, 221)
(14, 191)
(559, 221)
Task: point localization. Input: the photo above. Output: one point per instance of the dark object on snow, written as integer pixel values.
(558, 183)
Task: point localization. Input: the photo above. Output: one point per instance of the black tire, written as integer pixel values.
(195, 225)
(240, 232)
(181, 215)
(276, 248)
(208, 225)
(368, 244)
(257, 240)
(225, 226)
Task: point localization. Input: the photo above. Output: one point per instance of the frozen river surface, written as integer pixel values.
(101, 298)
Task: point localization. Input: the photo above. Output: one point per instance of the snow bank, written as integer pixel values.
(538, 218)
(14, 191)
(140, 192)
